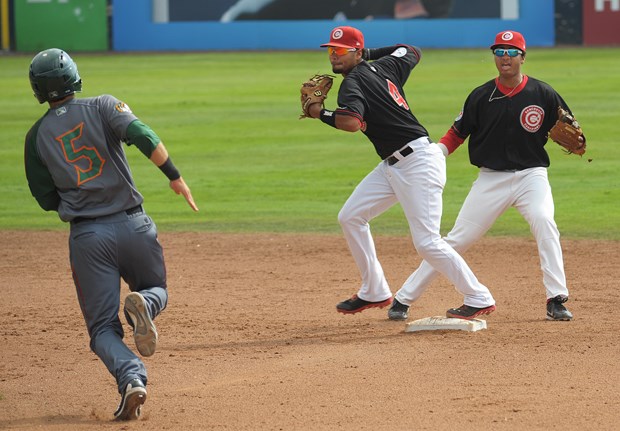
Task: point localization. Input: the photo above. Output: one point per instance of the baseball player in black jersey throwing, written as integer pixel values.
(412, 171)
(76, 165)
(507, 120)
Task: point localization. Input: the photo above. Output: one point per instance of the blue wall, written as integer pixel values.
(133, 30)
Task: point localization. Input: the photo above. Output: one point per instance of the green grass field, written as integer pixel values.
(230, 122)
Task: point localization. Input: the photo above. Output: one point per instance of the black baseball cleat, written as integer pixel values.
(468, 313)
(556, 309)
(132, 399)
(355, 305)
(144, 331)
(398, 311)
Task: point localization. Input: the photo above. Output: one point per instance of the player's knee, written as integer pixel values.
(464, 234)
(427, 249)
(347, 218)
(540, 217)
(462, 243)
(543, 226)
(352, 224)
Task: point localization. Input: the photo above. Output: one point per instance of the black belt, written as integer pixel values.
(130, 211)
(134, 210)
(405, 152)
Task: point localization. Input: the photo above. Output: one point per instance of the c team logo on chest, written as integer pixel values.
(532, 118)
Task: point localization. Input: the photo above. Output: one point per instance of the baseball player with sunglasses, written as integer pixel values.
(507, 120)
(412, 171)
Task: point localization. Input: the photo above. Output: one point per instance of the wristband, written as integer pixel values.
(170, 170)
(328, 117)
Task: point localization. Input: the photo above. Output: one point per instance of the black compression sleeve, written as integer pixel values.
(377, 53)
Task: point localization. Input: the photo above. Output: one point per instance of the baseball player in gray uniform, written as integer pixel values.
(76, 165)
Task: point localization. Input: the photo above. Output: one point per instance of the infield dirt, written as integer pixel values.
(251, 341)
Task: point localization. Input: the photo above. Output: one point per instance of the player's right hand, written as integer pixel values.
(180, 188)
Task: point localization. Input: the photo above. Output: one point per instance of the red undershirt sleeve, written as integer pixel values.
(452, 140)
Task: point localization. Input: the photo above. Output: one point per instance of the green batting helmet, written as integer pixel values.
(53, 75)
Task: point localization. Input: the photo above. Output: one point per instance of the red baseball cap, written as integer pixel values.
(346, 37)
(511, 38)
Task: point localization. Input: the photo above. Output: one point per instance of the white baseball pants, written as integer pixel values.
(417, 182)
(491, 195)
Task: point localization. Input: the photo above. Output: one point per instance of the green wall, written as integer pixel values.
(71, 25)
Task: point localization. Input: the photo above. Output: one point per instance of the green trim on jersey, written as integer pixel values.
(40, 180)
(143, 137)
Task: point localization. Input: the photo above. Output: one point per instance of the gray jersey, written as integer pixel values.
(76, 149)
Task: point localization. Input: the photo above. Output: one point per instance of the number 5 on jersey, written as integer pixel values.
(73, 155)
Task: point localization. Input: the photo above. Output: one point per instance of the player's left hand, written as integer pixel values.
(567, 133)
(314, 91)
(180, 188)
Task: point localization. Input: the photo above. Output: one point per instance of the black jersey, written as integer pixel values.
(373, 92)
(509, 131)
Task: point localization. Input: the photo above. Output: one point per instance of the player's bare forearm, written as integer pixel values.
(348, 123)
(159, 155)
(343, 122)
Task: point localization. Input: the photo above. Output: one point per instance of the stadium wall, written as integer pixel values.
(134, 28)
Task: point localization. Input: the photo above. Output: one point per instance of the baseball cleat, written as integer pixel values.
(132, 399)
(398, 311)
(466, 312)
(144, 331)
(556, 309)
(355, 305)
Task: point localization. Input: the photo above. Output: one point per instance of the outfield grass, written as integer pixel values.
(230, 122)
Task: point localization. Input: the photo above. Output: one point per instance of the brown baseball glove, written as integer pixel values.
(314, 90)
(566, 133)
